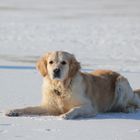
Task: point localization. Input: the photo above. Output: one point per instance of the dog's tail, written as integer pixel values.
(137, 91)
(137, 97)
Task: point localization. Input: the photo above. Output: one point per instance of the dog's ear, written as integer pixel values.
(42, 66)
(74, 66)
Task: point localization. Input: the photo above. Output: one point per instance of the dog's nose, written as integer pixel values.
(56, 71)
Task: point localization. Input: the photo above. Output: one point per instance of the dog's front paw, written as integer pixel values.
(13, 113)
(67, 116)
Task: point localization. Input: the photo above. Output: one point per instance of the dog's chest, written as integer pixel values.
(62, 99)
(63, 102)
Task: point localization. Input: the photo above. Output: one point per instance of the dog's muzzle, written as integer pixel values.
(56, 73)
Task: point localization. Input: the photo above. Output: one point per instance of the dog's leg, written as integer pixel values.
(37, 110)
(127, 100)
(81, 111)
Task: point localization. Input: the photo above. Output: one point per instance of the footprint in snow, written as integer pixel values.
(46, 130)
(3, 131)
(5, 124)
(18, 136)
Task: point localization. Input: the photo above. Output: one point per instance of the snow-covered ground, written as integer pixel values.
(101, 34)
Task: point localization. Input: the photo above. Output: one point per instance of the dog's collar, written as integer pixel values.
(58, 93)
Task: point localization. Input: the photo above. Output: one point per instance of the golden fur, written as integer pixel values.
(71, 93)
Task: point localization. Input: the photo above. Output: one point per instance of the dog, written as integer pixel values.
(70, 93)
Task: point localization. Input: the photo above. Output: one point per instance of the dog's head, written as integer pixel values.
(58, 65)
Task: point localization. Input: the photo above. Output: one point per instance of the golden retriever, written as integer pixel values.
(70, 93)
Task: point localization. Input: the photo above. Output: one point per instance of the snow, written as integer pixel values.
(101, 34)
(29, 128)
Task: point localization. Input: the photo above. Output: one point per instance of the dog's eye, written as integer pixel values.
(63, 62)
(51, 62)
